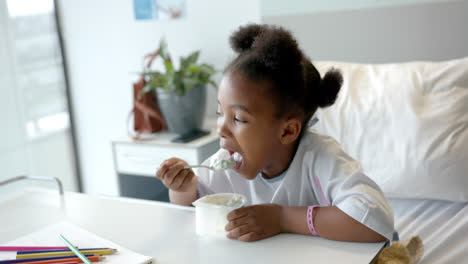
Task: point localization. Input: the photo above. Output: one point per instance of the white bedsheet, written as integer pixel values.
(442, 226)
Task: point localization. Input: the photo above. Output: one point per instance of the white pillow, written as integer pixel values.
(407, 123)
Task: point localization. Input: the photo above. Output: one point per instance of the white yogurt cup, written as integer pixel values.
(211, 212)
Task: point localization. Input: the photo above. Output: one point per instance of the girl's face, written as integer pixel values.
(247, 124)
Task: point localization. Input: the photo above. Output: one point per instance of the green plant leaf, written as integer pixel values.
(207, 69)
(179, 81)
(186, 61)
(194, 69)
(192, 58)
(163, 52)
(183, 64)
(189, 83)
(168, 65)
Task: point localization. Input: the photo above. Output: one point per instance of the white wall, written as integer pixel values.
(431, 31)
(104, 44)
(281, 7)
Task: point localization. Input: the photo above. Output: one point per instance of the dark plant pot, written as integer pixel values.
(183, 113)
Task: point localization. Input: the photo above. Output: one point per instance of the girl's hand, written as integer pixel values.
(254, 222)
(174, 176)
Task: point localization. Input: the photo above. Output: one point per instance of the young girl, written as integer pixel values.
(295, 180)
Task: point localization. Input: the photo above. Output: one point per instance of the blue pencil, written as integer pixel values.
(14, 261)
(53, 250)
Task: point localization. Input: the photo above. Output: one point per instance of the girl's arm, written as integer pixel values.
(329, 222)
(265, 220)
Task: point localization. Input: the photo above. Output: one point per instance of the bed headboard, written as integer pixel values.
(431, 31)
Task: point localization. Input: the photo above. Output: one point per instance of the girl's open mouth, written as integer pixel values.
(237, 157)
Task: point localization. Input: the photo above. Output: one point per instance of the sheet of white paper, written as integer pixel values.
(79, 237)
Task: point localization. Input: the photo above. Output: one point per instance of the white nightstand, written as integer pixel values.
(136, 161)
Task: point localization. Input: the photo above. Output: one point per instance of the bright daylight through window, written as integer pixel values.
(38, 66)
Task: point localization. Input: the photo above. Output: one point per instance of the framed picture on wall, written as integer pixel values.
(159, 9)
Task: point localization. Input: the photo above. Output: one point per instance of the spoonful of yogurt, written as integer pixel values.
(224, 161)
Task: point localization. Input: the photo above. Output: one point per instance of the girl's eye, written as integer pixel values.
(218, 113)
(239, 120)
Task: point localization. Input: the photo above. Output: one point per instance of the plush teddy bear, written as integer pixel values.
(402, 252)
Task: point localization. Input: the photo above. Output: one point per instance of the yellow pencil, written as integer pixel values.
(67, 253)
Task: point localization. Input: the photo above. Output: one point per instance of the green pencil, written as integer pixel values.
(76, 251)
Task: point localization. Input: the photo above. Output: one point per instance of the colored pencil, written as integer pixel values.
(48, 262)
(77, 253)
(14, 261)
(74, 259)
(65, 253)
(54, 250)
(20, 248)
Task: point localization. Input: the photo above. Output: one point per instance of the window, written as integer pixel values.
(38, 66)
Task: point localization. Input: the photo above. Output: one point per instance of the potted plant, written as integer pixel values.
(181, 92)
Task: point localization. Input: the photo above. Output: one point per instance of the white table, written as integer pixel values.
(164, 231)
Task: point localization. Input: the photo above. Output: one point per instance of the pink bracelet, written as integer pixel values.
(310, 219)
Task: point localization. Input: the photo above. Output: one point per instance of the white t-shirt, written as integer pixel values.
(320, 173)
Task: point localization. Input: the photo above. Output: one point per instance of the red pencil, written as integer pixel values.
(40, 262)
(73, 262)
(19, 248)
